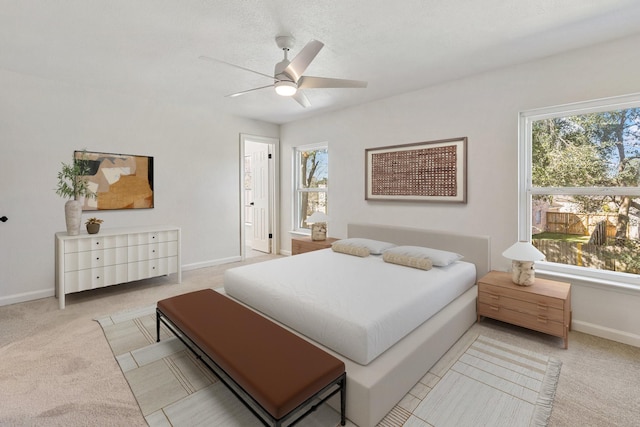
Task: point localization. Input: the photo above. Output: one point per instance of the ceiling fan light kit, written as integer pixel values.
(287, 77)
(285, 88)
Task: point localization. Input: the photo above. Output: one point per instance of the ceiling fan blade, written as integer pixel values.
(302, 60)
(308, 82)
(233, 95)
(302, 99)
(207, 58)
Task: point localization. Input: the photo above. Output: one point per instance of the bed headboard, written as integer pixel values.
(476, 249)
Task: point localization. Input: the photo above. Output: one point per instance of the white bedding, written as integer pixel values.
(358, 307)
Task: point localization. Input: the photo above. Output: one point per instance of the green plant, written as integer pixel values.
(94, 221)
(72, 181)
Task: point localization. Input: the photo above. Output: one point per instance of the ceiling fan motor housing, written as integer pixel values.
(285, 41)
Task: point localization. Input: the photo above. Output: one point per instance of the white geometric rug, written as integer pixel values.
(479, 382)
(492, 384)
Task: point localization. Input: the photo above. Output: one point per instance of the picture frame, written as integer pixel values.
(120, 181)
(432, 171)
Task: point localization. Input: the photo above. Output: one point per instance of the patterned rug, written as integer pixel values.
(479, 382)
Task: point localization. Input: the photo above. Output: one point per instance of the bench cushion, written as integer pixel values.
(277, 368)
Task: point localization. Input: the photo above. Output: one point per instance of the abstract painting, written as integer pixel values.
(120, 181)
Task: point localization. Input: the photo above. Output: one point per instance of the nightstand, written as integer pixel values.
(544, 306)
(300, 245)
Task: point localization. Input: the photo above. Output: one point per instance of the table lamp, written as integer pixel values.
(318, 221)
(523, 254)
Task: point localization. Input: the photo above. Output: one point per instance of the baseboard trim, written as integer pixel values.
(27, 296)
(210, 263)
(607, 333)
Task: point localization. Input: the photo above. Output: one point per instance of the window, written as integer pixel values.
(311, 174)
(580, 187)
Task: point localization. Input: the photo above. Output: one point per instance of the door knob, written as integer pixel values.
(4, 219)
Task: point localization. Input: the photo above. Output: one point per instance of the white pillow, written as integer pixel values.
(438, 258)
(360, 251)
(375, 247)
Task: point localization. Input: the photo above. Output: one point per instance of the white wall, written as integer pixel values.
(485, 109)
(196, 159)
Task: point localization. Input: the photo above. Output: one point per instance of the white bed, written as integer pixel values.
(391, 352)
(356, 306)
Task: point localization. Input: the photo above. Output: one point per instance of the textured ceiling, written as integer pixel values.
(151, 48)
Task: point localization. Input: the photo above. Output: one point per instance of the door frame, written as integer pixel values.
(274, 195)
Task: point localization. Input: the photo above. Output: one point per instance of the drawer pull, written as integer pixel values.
(494, 308)
(494, 296)
(542, 306)
(542, 319)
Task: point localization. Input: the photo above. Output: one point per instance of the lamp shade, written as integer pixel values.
(317, 217)
(523, 251)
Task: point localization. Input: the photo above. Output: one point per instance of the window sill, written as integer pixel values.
(598, 283)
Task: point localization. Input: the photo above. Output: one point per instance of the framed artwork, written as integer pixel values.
(120, 181)
(434, 171)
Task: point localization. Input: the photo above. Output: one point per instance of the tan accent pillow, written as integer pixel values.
(360, 251)
(438, 257)
(408, 261)
(376, 247)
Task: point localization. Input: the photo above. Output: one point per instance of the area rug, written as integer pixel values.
(479, 382)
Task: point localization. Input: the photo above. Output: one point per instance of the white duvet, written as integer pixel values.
(358, 307)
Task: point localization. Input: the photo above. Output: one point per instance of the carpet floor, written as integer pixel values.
(57, 369)
(479, 382)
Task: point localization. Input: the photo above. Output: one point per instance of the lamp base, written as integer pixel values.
(522, 273)
(319, 231)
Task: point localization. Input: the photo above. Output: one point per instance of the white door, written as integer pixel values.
(261, 222)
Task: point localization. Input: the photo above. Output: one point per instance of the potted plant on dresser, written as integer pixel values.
(73, 185)
(93, 225)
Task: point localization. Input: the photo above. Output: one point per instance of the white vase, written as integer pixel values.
(73, 217)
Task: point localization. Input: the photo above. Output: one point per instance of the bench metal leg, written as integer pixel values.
(343, 400)
(157, 325)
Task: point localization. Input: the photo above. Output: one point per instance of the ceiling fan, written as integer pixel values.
(287, 76)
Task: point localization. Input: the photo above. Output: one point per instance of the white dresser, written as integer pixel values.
(113, 256)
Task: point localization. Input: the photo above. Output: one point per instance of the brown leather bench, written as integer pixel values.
(274, 372)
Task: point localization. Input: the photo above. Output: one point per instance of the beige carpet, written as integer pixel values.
(479, 382)
(57, 369)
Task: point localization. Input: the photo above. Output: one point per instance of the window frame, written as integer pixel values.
(526, 189)
(298, 189)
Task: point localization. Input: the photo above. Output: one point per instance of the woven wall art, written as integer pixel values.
(424, 171)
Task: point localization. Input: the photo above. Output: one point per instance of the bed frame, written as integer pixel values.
(373, 390)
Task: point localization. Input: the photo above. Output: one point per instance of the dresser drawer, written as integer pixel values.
(538, 323)
(153, 237)
(152, 251)
(499, 292)
(92, 278)
(152, 268)
(96, 258)
(92, 243)
(533, 308)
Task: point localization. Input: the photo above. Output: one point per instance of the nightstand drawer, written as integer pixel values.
(544, 306)
(539, 323)
(524, 295)
(534, 308)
